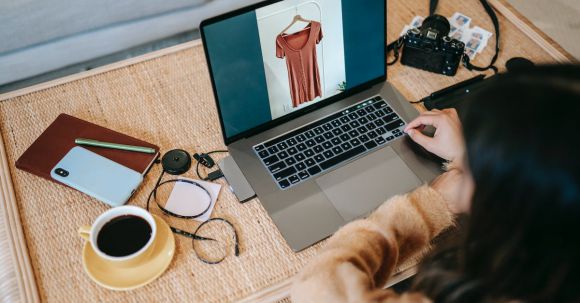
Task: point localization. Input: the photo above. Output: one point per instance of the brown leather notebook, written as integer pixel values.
(58, 139)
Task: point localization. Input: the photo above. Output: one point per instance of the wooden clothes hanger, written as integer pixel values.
(296, 19)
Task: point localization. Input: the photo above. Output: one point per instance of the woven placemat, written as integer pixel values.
(168, 101)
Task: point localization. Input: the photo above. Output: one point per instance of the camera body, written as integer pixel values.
(430, 48)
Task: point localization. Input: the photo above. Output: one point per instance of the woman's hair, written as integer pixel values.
(522, 240)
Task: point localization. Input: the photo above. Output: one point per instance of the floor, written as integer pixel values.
(557, 18)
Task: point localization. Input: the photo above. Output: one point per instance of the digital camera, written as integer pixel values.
(430, 48)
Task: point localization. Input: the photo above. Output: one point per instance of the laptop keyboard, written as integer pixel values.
(317, 147)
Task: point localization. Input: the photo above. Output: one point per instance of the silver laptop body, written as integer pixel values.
(307, 208)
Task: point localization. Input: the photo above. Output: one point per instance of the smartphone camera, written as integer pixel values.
(61, 172)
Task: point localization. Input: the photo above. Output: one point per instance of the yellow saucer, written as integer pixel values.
(106, 274)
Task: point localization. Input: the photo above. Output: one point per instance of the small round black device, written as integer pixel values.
(176, 162)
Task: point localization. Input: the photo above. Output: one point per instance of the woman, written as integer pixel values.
(517, 174)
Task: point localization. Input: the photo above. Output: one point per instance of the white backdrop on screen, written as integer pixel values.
(273, 19)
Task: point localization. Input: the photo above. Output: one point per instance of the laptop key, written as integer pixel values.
(301, 138)
(364, 138)
(271, 160)
(337, 123)
(318, 130)
(344, 119)
(328, 135)
(381, 131)
(389, 138)
(353, 116)
(259, 148)
(273, 150)
(292, 142)
(398, 134)
(283, 155)
(371, 145)
(300, 166)
(355, 142)
(318, 149)
(284, 184)
(290, 161)
(319, 139)
(310, 143)
(361, 112)
(337, 150)
(344, 137)
(319, 158)
(354, 124)
(277, 167)
(388, 110)
(394, 125)
(310, 162)
(328, 154)
(363, 120)
(390, 118)
(373, 134)
(362, 129)
(309, 134)
(346, 146)
(335, 141)
(292, 150)
(371, 116)
(294, 179)
(301, 147)
(371, 126)
(380, 140)
(380, 113)
(263, 154)
(370, 109)
(300, 157)
(353, 133)
(337, 131)
(314, 170)
(327, 126)
(309, 153)
(282, 146)
(343, 157)
(380, 105)
(379, 122)
(285, 173)
(346, 127)
(327, 145)
(303, 175)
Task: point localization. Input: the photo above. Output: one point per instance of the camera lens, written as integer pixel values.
(61, 172)
(438, 24)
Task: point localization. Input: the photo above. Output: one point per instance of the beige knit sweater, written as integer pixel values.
(362, 255)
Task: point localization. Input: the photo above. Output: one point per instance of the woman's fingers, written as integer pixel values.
(424, 119)
(421, 139)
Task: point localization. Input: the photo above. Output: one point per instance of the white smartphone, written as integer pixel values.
(97, 176)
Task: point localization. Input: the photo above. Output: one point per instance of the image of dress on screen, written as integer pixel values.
(299, 49)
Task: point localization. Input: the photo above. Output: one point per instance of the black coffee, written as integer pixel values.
(124, 235)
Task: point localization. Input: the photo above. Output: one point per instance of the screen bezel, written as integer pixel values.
(280, 120)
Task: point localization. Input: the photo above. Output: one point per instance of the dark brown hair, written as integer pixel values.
(522, 238)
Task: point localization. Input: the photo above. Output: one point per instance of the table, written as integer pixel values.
(165, 97)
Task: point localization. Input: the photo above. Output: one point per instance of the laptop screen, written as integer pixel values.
(278, 59)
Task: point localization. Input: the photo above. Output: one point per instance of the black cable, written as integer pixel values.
(202, 156)
(493, 16)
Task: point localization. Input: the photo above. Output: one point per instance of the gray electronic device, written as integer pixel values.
(97, 176)
(314, 164)
(236, 179)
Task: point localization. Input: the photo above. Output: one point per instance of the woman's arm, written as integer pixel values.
(362, 255)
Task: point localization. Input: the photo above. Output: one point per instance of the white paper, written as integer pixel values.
(188, 200)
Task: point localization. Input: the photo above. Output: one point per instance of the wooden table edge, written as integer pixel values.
(23, 268)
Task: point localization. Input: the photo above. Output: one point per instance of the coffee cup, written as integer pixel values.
(123, 235)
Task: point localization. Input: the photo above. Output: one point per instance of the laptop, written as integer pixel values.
(307, 114)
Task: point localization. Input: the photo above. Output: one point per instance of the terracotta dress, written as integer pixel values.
(299, 49)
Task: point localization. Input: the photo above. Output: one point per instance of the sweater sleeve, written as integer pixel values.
(361, 256)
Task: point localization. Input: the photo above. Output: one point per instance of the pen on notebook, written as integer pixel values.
(139, 149)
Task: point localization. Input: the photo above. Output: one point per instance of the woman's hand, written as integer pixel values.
(456, 186)
(447, 142)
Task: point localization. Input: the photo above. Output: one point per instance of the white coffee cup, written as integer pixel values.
(90, 233)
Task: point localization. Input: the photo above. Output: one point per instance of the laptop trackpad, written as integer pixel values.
(363, 185)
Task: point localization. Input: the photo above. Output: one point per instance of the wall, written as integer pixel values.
(273, 19)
